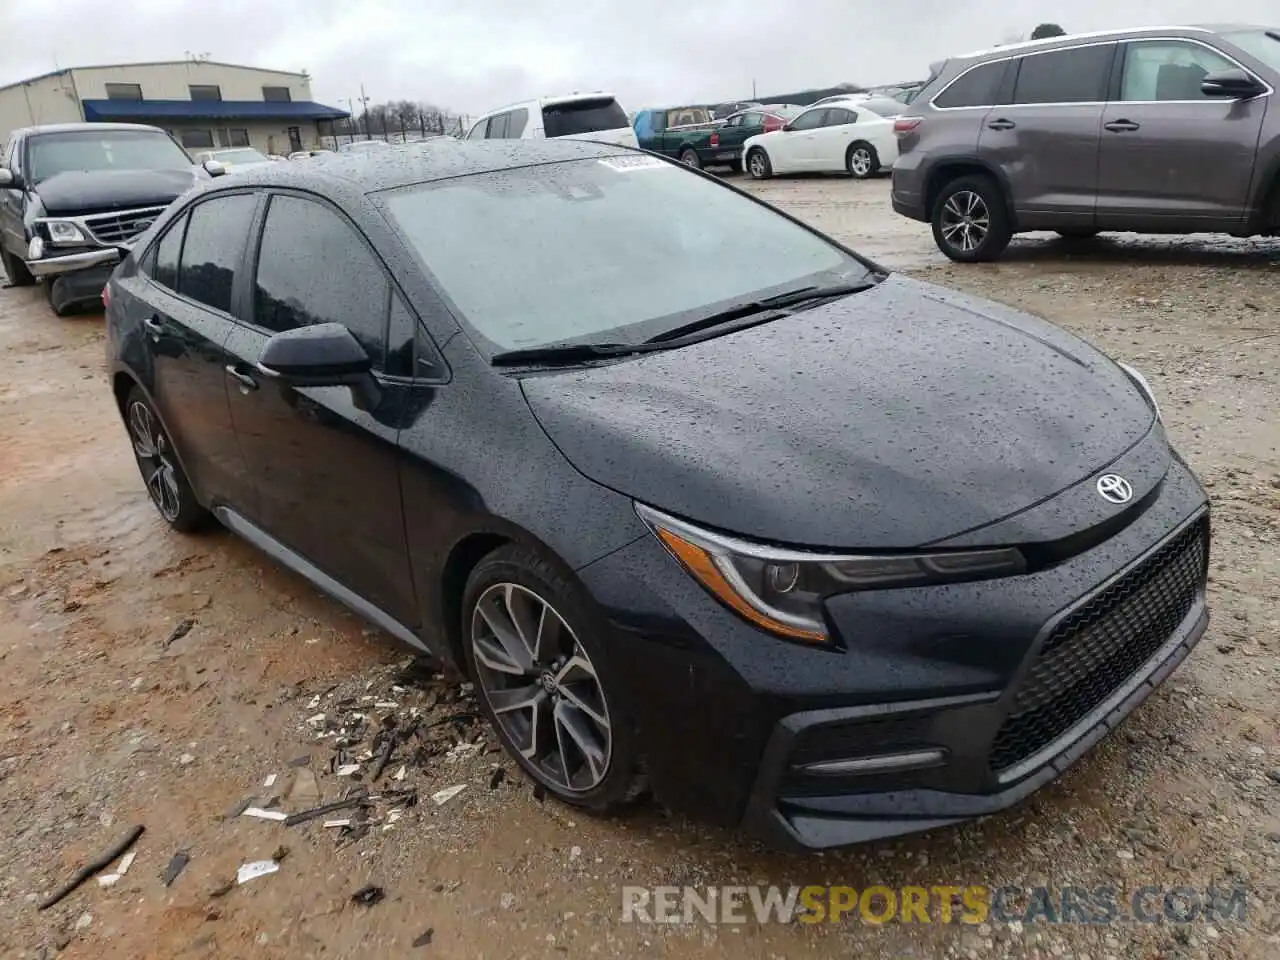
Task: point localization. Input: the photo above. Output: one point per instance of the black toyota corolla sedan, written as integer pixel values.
(702, 501)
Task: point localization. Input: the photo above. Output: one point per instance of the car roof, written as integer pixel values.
(1128, 33)
(442, 158)
(77, 127)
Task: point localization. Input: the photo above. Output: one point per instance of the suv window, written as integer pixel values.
(810, 120)
(497, 129)
(214, 248)
(1168, 70)
(979, 87)
(294, 287)
(583, 116)
(1078, 75)
(517, 120)
(164, 270)
(836, 117)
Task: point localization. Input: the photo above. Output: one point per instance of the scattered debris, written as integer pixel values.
(256, 869)
(347, 769)
(95, 867)
(239, 808)
(270, 781)
(316, 720)
(84, 922)
(304, 815)
(302, 761)
(178, 632)
(441, 797)
(344, 822)
(304, 791)
(496, 778)
(186, 759)
(400, 774)
(424, 938)
(368, 896)
(111, 879)
(265, 814)
(177, 863)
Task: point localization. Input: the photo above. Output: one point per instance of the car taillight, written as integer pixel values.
(905, 124)
(106, 296)
(771, 124)
(715, 140)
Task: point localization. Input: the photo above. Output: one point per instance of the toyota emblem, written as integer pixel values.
(1115, 488)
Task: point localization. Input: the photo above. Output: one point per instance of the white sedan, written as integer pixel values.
(831, 137)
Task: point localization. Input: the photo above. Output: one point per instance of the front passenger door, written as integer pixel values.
(324, 460)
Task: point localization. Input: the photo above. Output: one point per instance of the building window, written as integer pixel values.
(124, 91)
(195, 139)
(239, 137)
(205, 91)
(276, 94)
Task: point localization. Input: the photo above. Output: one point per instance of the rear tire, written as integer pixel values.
(16, 270)
(970, 220)
(165, 480)
(758, 165)
(65, 310)
(689, 157)
(861, 160)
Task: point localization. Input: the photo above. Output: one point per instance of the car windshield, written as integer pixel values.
(83, 150)
(577, 117)
(616, 249)
(1263, 44)
(246, 155)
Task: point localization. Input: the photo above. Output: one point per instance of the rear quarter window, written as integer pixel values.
(582, 116)
(979, 87)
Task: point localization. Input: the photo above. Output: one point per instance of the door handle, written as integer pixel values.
(1121, 126)
(246, 382)
(1001, 124)
(153, 326)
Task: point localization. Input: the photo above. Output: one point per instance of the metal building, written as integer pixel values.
(204, 104)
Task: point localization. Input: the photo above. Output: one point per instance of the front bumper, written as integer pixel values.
(72, 263)
(81, 287)
(952, 703)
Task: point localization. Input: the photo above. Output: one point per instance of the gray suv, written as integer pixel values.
(1156, 130)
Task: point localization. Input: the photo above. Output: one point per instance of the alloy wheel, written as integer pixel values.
(541, 686)
(860, 162)
(965, 220)
(155, 459)
(757, 165)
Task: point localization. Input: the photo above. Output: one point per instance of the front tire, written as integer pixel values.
(166, 483)
(970, 220)
(16, 270)
(689, 157)
(758, 165)
(861, 161)
(534, 644)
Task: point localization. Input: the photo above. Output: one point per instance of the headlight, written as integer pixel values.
(782, 590)
(63, 232)
(1141, 383)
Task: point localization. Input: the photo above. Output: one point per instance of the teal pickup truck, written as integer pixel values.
(697, 140)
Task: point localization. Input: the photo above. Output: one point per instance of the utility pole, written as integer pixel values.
(753, 88)
(364, 103)
(351, 121)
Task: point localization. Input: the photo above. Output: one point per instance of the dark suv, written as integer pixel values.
(74, 197)
(1155, 130)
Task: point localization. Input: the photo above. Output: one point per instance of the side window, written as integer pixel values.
(214, 248)
(979, 87)
(477, 130)
(735, 121)
(497, 127)
(1168, 70)
(517, 120)
(809, 120)
(836, 118)
(165, 263)
(1064, 76)
(296, 284)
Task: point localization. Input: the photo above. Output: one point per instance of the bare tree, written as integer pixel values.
(1047, 30)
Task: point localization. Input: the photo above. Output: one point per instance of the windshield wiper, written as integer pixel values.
(775, 306)
(566, 353)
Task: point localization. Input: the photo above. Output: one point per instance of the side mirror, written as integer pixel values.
(214, 168)
(7, 180)
(323, 355)
(1234, 84)
(785, 128)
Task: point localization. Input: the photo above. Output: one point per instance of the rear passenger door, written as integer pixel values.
(1169, 153)
(184, 309)
(1046, 140)
(325, 463)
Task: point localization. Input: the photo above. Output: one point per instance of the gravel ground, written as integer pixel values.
(107, 719)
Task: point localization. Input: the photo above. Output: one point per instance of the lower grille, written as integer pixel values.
(113, 228)
(1099, 646)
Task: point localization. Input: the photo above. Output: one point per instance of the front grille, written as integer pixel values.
(121, 227)
(1100, 645)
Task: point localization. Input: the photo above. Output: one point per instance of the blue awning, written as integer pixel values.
(99, 111)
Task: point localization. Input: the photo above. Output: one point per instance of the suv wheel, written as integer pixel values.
(862, 161)
(166, 483)
(970, 222)
(689, 157)
(15, 270)
(535, 648)
(758, 165)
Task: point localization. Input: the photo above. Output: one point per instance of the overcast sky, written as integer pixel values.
(472, 55)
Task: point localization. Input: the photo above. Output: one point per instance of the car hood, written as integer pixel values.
(894, 418)
(100, 191)
(620, 136)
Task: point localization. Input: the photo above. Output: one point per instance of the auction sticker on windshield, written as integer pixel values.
(627, 164)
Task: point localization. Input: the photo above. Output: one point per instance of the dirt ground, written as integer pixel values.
(107, 722)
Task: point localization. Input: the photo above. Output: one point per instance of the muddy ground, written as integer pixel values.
(106, 722)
